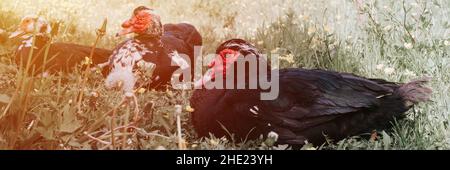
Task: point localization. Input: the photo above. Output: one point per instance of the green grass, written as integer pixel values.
(384, 39)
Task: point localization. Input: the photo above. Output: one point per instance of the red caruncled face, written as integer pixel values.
(223, 62)
(138, 23)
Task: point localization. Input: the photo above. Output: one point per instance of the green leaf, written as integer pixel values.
(386, 140)
(4, 98)
(70, 122)
(308, 146)
(46, 119)
(74, 143)
(46, 133)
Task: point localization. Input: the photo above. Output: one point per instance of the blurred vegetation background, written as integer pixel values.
(389, 39)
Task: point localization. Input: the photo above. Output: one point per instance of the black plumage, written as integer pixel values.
(181, 38)
(61, 56)
(311, 104)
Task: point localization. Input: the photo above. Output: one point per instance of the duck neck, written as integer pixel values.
(40, 41)
(148, 38)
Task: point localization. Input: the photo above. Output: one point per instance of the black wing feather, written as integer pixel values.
(311, 97)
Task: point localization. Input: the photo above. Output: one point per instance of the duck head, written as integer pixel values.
(144, 21)
(228, 53)
(30, 24)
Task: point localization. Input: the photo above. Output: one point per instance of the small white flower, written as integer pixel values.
(380, 66)
(224, 139)
(273, 135)
(160, 148)
(408, 45)
(446, 43)
(389, 70)
(95, 94)
(409, 73)
(45, 74)
(311, 30)
(214, 142)
(275, 50)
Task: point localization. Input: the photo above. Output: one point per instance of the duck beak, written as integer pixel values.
(125, 31)
(127, 28)
(17, 33)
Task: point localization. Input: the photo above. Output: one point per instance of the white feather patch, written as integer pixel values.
(124, 60)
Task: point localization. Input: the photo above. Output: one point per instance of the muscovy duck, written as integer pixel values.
(310, 104)
(146, 59)
(61, 56)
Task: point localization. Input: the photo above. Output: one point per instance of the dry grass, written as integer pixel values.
(384, 39)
